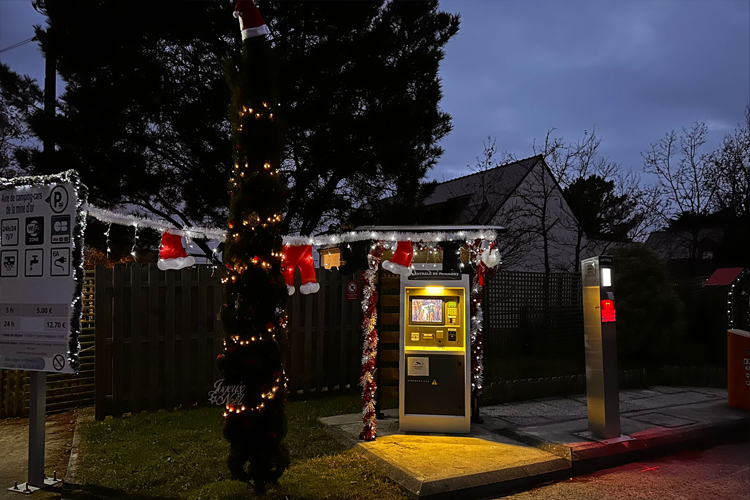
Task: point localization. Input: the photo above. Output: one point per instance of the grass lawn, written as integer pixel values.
(181, 454)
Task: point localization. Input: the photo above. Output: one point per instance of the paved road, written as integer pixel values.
(719, 473)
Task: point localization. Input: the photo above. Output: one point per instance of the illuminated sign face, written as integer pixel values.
(608, 311)
(606, 276)
(427, 311)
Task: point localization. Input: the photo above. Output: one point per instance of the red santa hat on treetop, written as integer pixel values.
(251, 22)
(172, 254)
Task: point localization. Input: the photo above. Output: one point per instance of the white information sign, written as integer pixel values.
(418, 367)
(37, 282)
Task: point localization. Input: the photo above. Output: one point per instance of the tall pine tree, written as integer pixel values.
(253, 317)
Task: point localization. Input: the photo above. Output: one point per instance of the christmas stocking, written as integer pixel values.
(300, 256)
(172, 254)
(400, 263)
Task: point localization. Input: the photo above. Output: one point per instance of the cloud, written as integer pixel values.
(634, 69)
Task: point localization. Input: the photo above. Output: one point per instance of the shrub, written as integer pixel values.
(650, 315)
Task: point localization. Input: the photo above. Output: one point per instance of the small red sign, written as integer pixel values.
(608, 311)
(352, 290)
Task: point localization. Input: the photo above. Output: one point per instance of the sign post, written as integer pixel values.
(41, 282)
(37, 414)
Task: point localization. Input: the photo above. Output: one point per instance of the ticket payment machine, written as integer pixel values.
(434, 359)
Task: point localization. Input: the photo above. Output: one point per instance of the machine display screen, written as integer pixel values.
(427, 310)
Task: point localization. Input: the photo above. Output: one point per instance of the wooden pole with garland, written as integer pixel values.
(253, 317)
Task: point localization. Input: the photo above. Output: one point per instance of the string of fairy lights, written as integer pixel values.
(426, 244)
(233, 270)
(253, 220)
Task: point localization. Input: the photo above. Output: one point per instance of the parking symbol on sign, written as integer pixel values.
(58, 199)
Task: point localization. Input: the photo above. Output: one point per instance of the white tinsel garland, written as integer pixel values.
(211, 233)
(134, 220)
(434, 236)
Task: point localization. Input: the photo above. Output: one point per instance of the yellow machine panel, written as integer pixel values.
(434, 371)
(435, 318)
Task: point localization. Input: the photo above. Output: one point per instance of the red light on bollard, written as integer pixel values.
(608, 311)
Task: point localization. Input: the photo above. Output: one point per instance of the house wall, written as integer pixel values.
(522, 246)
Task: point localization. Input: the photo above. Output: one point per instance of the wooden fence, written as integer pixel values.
(158, 334)
(64, 391)
(325, 336)
(157, 337)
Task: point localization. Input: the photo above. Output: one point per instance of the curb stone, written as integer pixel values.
(83, 415)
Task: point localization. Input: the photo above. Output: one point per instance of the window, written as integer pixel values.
(330, 257)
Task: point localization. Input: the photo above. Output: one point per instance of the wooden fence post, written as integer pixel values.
(102, 383)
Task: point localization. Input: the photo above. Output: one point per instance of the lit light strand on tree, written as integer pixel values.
(253, 317)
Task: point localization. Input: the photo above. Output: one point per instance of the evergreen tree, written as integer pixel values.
(253, 317)
(601, 213)
(360, 86)
(142, 116)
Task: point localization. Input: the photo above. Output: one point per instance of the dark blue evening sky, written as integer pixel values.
(634, 69)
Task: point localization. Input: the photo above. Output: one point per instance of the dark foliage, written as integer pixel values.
(359, 83)
(142, 117)
(650, 315)
(143, 120)
(601, 213)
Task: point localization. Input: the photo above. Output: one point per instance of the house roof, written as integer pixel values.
(465, 195)
(724, 276)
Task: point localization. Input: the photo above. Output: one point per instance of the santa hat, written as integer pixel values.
(400, 263)
(172, 254)
(491, 257)
(251, 22)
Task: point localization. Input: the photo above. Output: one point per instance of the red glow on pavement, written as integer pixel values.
(650, 468)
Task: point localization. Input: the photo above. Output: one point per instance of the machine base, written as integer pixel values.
(434, 423)
(26, 488)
